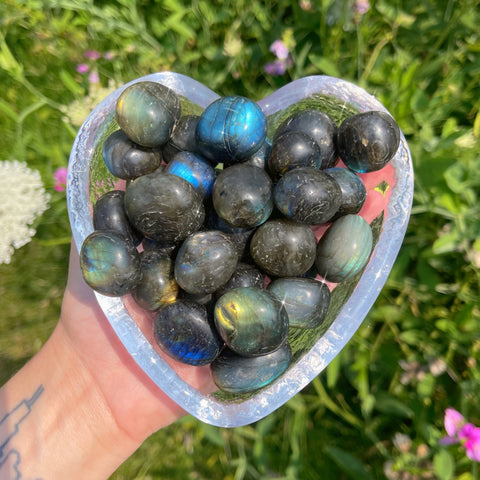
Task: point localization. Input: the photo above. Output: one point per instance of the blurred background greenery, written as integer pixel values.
(377, 411)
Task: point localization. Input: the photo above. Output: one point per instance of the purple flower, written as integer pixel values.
(109, 55)
(361, 7)
(278, 67)
(283, 60)
(82, 68)
(92, 54)
(459, 431)
(279, 49)
(60, 179)
(93, 77)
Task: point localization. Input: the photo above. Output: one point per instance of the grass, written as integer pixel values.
(417, 352)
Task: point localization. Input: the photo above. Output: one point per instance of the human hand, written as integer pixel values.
(137, 404)
(81, 406)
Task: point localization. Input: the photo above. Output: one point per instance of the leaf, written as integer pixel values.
(450, 202)
(387, 10)
(404, 19)
(476, 125)
(389, 405)
(333, 371)
(70, 83)
(8, 61)
(412, 337)
(448, 242)
(176, 23)
(325, 65)
(8, 111)
(348, 463)
(465, 476)
(213, 435)
(443, 465)
(455, 177)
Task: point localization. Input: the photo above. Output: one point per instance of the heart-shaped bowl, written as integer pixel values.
(387, 209)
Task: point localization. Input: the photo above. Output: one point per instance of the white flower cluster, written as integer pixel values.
(78, 110)
(22, 200)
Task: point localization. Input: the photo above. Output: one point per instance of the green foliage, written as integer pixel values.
(378, 409)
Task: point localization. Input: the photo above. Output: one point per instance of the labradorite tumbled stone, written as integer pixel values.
(245, 275)
(307, 195)
(169, 250)
(293, 150)
(109, 214)
(251, 321)
(243, 196)
(110, 264)
(306, 300)
(317, 125)
(183, 331)
(157, 286)
(182, 138)
(283, 248)
(230, 130)
(353, 190)
(260, 157)
(147, 112)
(206, 299)
(367, 141)
(206, 261)
(195, 170)
(344, 249)
(239, 236)
(164, 207)
(236, 374)
(126, 159)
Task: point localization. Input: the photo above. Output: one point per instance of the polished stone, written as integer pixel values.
(110, 264)
(236, 374)
(205, 262)
(306, 300)
(183, 330)
(230, 130)
(251, 321)
(344, 249)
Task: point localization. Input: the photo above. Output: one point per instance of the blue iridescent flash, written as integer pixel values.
(230, 130)
(195, 170)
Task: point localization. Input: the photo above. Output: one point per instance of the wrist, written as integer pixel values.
(70, 431)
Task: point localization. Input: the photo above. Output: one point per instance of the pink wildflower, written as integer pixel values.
(453, 422)
(60, 179)
(361, 7)
(283, 61)
(82, 68)
(279, 49)
(93, 77)
(109, 55)
(470, 435)
(92, 54)
(459, 431)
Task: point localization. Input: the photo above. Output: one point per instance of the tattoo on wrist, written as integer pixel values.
(10, 425)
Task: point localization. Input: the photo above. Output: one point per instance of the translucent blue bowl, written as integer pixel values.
(312, 350)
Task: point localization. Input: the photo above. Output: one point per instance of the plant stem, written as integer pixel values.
(376, 52)
(333, 406)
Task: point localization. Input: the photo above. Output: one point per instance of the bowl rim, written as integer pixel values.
(206, 407)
